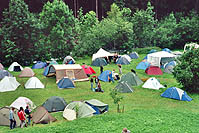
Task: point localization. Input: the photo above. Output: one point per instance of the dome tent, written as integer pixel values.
(8, 84)
(153, 83)
(27, 72)
(4, 73)
(15, 67)
(65, 83)
(23, 102)
(33, 83)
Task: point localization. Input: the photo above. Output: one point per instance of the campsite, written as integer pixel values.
(144, 109)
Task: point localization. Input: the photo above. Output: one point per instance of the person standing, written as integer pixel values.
(28, 114)
(22, 117)
(96, 82)
(101, 69)
(120, 69)
(91, 80)
(12, 119)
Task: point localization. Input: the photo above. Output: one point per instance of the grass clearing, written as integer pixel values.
(145, 110)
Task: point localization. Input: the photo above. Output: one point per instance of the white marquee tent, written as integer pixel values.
(101, 53)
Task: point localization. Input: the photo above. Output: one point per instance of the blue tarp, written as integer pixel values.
(143, 65)
(176, 93)
(39, 65)
(65, 83)
(122, 61)
(166, 50)
(104, 76)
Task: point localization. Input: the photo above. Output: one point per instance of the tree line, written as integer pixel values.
(55, 32)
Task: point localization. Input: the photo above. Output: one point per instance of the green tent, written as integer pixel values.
(132, 79)
(97, 105)
(82, 109)
(124, 87)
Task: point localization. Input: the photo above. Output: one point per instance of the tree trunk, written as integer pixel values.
(75, 8)
(96, 8)
(197, 6)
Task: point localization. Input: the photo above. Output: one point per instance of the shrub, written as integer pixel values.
(187, 71)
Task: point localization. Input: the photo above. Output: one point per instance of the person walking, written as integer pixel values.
(22, 117)
(28, 114)
(12, 119)
(101, 69)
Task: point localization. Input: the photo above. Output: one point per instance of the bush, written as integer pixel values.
(145, 50)
(187, 71)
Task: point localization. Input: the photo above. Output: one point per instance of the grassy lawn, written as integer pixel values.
(145, 110)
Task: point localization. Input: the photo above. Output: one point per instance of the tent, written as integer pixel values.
(8, 84)
(1, 67)
(99, 62)
(122, 61)
(42, 116)
(101, 53)
(88, 69)
(104, 75)
(167, 50)
(27, 72)
(68, 60)
(172, 63)
(54, 104)
(65, 83)
(72, 71)
(143, 65)
(23, 102)
(177, 53)
(158, 58)
(82, 109)
(69, 114)
(169, 69)
(153, 83)
(127, 57)
(153, 70)
(4, 73)
(39, 65)
(131, 78)
(134, 55)
(124, 87)
(176, 93)
(97, 105)
(4, 116)
(15, 67)
(152, 51)
(33, 83)
(52, 63)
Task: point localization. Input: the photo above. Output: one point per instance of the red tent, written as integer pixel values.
(153, 70)
(88, 70)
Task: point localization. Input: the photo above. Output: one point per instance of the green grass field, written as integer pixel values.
(145, 110)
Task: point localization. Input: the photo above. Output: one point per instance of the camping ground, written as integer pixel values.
(144, 109)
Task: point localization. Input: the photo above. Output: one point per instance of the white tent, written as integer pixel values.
(127, 57)
(67, 58)
(157, 57)
(11, 67)
(101, 53)
(153, 83)
(33, 82)
(8, 84)
(23, 102)
(69, 114)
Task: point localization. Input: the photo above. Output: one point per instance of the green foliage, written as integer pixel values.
(58, 28)
(145, 50)
(116, 98)
(144, 26)
(187, 71)
(18, 33)
(165, 35)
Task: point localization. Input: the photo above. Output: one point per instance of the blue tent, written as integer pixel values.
(134, 55)
(143, 65)
(39, 65)
(166, 50)
(104, 76)
(145, 58)
(46, 70)
(122, 61)
(152, 51)
(97, 105)
(176, 93)
(99, 62)
(65, 83)
(172, 63)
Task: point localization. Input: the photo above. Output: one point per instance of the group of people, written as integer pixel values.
(97, 85)
(24, 117)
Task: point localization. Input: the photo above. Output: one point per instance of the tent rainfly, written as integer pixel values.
(33, 83)
(15, 67)
(1, 67)
(8, 84)
(23, 102)
(101, 53)
(27, 72)
(67, 59)
(4, 73)
(99, 62)
(124, 87)
(132, 79)
(153, 83)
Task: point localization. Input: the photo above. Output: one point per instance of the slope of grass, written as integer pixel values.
(145, 110)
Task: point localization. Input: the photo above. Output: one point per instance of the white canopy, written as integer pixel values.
(33, 82)
(101, 53)
(23, 102)
(156, 57)
(8, 84)
(11, 67)
(153, 83)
